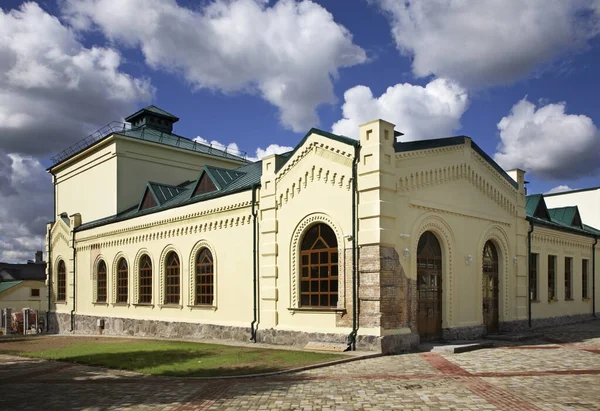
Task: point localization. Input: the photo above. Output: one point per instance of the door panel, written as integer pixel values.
(490, 288)
(429, 288)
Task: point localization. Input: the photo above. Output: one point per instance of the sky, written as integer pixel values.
(520, 78)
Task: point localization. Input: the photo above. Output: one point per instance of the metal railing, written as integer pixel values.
(149, 135)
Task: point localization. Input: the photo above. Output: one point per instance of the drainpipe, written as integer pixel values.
(48, 257)
(253, 327)
(594, 277)
(528, 269)
(74, 267)
(352, 335)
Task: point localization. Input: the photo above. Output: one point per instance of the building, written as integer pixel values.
(376, 242)
(23, 285)
(587, 200)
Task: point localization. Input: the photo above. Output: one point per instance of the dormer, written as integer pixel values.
(536, 207)
(153, 117)
(567, 216)
(213, 179)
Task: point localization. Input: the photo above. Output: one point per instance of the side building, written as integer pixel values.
(373, 242)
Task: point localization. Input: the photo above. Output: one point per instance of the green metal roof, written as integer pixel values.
(579, 190)
(164, 192)
(532, 203)
(8, 284)
(222, 177)
(154, 110)
(249, 176)
(566, 215)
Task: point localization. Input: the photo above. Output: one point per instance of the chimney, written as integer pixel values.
(39, 257)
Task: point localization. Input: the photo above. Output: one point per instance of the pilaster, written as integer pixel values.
(521, 252)
(268, 247)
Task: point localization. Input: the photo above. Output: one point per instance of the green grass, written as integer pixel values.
(184, 359)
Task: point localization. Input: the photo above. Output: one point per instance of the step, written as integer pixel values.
(325, 346)
(524, 336)
(454, 347)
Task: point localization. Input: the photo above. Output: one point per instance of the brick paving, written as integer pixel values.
(560, 371)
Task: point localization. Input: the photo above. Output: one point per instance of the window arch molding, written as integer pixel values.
(302, 228)
(135, 294)
(57, 262)
(162, 272)
(114, 277)
(499, 238)
(192, 271)
(99, 259)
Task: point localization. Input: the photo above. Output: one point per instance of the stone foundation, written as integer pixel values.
(399, 343)
(474, 332)
(60, 323)
(523, 325)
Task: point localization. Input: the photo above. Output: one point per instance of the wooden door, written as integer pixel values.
(429, 287)
(490, 288)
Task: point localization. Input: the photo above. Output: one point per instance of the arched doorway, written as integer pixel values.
(429, 287)
(490, 287)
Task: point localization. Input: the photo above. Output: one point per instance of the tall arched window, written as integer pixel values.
(204, 278)
(172, 278)
(61, 281)
(319, 268)
(145, 291)
(101, 282)
(122, 280)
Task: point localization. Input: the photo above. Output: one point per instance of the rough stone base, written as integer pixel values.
(399, 343)
(87, 325)
(520, 325)
(464, 333)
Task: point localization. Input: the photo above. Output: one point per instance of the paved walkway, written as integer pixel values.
(558, 372)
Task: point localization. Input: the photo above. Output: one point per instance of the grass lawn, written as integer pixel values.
(158, 357)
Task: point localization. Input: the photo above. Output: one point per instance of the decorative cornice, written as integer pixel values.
(462, 171)
(554, 240)
(171, 220)
(428, 152)
(455, 213)
(191, 229)
(320, 149)
(494, 172)
(314, 174)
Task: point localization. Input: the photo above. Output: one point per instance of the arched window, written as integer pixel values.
(122, 280)
(205, 284)
(101, 282)
(145, 291)
(319, 268)
(61, 282)
(172, 278)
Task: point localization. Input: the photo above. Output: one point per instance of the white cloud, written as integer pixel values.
(559, 189)
(548, 142)
(26, 207)
(233, 148)
(287, 52)
(419, 112)
(480, 43)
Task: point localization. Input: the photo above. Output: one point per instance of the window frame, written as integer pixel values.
(533, 275)
(61, 283)
(101, 282)
(172, 288)
(31, 294)
(585, 278)
(568, 278)
(120, 280)
(198, 275)
(141, 285)
(552, 260)
(306, 281)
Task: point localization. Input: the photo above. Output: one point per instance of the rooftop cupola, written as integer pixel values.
(153, 117)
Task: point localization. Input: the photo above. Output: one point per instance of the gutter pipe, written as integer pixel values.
(594, 277)
(352, 335)
(74, 267)
(529, 270)
(253, 324)
(48, 257)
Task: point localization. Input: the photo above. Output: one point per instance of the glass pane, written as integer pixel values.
(334, 270)
(333, 300)
(324, 257)
(334, 258)
(314, 300)
(305, 287)
(324, 286)
(314, 272)
(314, 258)
(304, 259)
(304, 271)
(333, 284)
(324, 272)
(304, 299)
(328, 235)
(324, 300)
(310, 237)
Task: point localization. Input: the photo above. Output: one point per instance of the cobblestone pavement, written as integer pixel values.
(560, 371)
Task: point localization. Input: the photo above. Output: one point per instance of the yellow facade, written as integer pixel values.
(24, 295)
(402, 191)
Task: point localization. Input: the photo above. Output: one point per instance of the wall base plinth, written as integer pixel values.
(474, 332)
(523, 325)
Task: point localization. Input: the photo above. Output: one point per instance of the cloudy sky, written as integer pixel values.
(520, 78)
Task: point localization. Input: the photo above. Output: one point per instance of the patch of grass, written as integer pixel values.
(185, 359)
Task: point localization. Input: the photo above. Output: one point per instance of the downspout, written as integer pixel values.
(74, 268)
(253, 327)
(529, 269)
(594, 277)
(352, 335)
(48, 257)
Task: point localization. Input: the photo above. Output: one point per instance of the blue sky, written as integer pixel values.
(261, 73)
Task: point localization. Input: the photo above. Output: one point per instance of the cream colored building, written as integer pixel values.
(375, 242)
(587, 200)
(23, 294)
